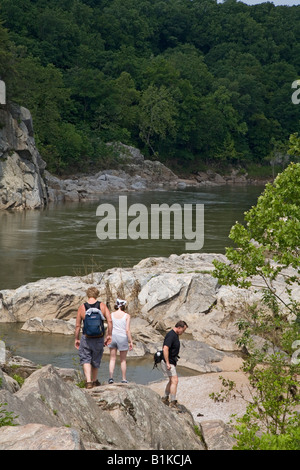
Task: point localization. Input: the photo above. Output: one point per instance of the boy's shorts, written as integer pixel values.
(168, 372)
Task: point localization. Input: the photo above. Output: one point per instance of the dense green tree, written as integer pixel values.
(225, 71)
(272, 233)
(157, 110)
(87, 87)
(266, 251)
(7, 61)
(117, 113)
(41, 89)
(294, 146)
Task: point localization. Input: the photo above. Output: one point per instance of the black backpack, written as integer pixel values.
(93, 324)
(158, 356)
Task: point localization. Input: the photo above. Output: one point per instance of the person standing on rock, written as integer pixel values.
(121, 339)
(171, 347)
(90, 347)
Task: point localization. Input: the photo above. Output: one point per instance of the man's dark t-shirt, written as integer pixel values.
(172, 341)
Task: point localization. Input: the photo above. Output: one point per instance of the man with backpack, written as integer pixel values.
(92, 313)
(171, 347)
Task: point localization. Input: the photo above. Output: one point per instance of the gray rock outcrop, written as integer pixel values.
(55, 326)
(107, 417)
(21, 167)
(217, 435)
(25, 184)
(134, 173)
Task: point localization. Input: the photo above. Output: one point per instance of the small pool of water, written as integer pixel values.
(59, 350)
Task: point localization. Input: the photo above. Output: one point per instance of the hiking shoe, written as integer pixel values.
(111, 381)
(89, 385)
(96, 383)
(174, 404)
(165, 400)
(124, 382)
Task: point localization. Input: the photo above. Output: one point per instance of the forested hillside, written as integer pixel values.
(191, 82)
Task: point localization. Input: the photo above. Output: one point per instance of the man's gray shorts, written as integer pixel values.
(91, 351)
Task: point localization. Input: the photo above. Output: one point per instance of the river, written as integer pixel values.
(62, 240)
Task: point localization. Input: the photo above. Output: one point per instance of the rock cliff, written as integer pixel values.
(21, 167)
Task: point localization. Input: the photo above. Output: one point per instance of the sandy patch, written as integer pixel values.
(193, 392)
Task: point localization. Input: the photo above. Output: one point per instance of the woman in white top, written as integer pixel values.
(121, 339)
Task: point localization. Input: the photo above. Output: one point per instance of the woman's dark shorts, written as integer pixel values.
(91, 351)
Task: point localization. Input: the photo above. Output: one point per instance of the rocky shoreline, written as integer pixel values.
(106, 418)
(158, 292)
(135, 173)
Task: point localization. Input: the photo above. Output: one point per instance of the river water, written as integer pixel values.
(62, 240)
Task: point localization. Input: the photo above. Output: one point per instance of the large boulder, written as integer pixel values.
(107, 417)
(55, 326)
(7, 382)
(217, 434)
(146, 420)
(48, 299)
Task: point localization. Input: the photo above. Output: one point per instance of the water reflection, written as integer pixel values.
(61, 240)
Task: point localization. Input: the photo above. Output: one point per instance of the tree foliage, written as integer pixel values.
(267, 250)
(269, 243)
(225, 71)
